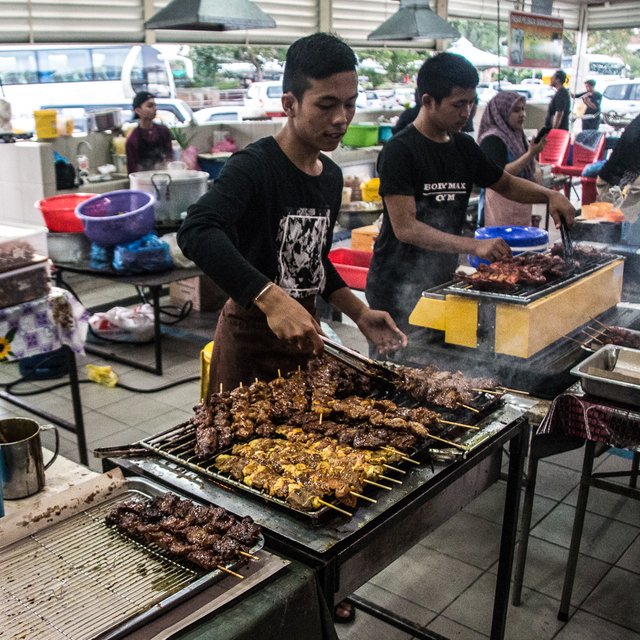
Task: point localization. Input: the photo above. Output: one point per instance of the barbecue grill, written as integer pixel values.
(526, 319)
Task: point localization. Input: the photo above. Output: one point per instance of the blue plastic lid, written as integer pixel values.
(514, 236)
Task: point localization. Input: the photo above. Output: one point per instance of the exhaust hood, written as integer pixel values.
(210, 15)
(414, 20)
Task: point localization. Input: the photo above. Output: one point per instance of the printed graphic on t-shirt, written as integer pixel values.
(301, 239)
(445, 191)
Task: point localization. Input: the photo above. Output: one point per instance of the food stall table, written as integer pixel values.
(346, 552)
(154, 282)
(41, 326)
(573, 419)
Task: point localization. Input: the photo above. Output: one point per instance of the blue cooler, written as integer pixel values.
(520, 239)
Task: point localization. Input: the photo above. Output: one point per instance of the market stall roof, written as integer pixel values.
(477, 57)
(105, 21)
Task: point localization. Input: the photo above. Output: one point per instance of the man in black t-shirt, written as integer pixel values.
(427, 172)
(592, 99)
(263, 232)
(560, 105)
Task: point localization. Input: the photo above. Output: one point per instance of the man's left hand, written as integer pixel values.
(379, 328)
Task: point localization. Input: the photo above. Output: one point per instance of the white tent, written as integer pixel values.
(477, 57)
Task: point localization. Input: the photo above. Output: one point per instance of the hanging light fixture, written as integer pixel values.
(211, 15)
(414, 21)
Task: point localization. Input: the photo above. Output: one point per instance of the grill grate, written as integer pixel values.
(81, 579)
(523, 294)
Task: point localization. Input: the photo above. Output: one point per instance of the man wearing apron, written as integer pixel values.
(427, 172)
(264, 230)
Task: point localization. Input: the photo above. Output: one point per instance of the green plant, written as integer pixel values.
(181, 135)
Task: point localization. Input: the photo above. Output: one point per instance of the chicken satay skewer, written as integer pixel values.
(388, 466)
(390, 479)
(359, 495)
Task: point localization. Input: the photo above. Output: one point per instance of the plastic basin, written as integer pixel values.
(117, 217)
(59, 212)
(520, 239)
(361, 135)
(352, 265)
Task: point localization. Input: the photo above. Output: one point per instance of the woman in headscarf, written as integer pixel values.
(501, 137)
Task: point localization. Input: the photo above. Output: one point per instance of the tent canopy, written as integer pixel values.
(477, 57)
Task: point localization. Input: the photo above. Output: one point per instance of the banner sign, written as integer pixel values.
(535, 40)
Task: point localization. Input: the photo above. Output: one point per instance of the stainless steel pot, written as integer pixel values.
(106, 119)
(21, 451)
(173, 189)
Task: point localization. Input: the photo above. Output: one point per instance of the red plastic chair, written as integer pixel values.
(557, 148)
(582, 156)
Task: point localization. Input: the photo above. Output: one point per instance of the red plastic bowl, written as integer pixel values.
(59, 212)
(352, 265)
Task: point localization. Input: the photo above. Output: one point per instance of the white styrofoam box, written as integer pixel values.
(20, 240)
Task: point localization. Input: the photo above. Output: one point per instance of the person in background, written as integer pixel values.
(592, 99)
(501, 137)
(622, 169)
(560, 105)
(148, 146)
(427, 172)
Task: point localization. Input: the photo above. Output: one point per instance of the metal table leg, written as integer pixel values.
(517, 447)
(576, 536)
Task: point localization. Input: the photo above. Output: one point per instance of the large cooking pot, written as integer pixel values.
(106, 119)
(174, 189)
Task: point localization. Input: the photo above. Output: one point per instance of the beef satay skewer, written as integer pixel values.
(466, 406)
(248, 555)
(400, 454)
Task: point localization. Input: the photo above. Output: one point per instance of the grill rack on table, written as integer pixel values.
(83, 580)
(525, 294)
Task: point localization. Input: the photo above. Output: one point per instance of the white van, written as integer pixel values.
(264, 100)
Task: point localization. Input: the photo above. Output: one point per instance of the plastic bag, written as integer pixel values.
(100, 257)
(179, 259)
(103, 375)
(148, 254)
(123, 324)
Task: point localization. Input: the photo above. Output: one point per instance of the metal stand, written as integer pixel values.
(77, 426)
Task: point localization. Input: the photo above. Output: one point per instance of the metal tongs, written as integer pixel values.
(355, 360)
(125, 451)
(567, 245)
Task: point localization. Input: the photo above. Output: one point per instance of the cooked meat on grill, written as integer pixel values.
(205, 535)
(302, 471)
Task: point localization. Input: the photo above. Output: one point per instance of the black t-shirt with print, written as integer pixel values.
(440, 177)
(561, 101)
(264, 219)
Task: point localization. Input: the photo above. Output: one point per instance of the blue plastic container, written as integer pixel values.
(117, 217)
(385, 131)
(520, 239)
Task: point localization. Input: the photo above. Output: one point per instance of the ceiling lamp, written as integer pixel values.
(211, 15)
(414, 21)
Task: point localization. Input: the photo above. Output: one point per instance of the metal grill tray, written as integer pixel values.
(80, 579)
(178, 445)
(524, 294)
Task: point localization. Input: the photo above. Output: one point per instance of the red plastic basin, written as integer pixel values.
(352, 265)
(59, 212)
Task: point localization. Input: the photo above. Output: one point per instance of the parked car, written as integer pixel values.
(220, 114)
(533, 92)
(263, 99)
(170, 112)
(620, 102)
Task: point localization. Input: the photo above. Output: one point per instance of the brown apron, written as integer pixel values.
(245, 348)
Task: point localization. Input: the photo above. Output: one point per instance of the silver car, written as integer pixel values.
(620, 102)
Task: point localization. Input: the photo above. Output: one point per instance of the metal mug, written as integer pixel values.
(21, 451)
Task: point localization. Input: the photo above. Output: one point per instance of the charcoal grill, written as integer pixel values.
(522, 322)
(80, 579)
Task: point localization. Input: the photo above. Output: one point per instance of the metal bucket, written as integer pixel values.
(21, 451)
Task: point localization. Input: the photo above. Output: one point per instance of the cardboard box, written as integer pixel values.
(362, 238)
(205, 294)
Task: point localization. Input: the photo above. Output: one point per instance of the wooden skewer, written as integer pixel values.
(377, 484)
(453, 444)
(492, 392)
(400, 454)
(232, 573)
(458, 424)
(320, 417)
(249, 555)
(279, 374)
(388, 466)
(602, 324)
(466, 406)
(256, 380)
(333, 506)
(221, 387)
(359, 495)
(593, 337)
(523, 393)
(390, 479)
(580, 342)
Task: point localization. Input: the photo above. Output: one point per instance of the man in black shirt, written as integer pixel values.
(263, 232)
(592, 99)
(427, 172)
(560, 105)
